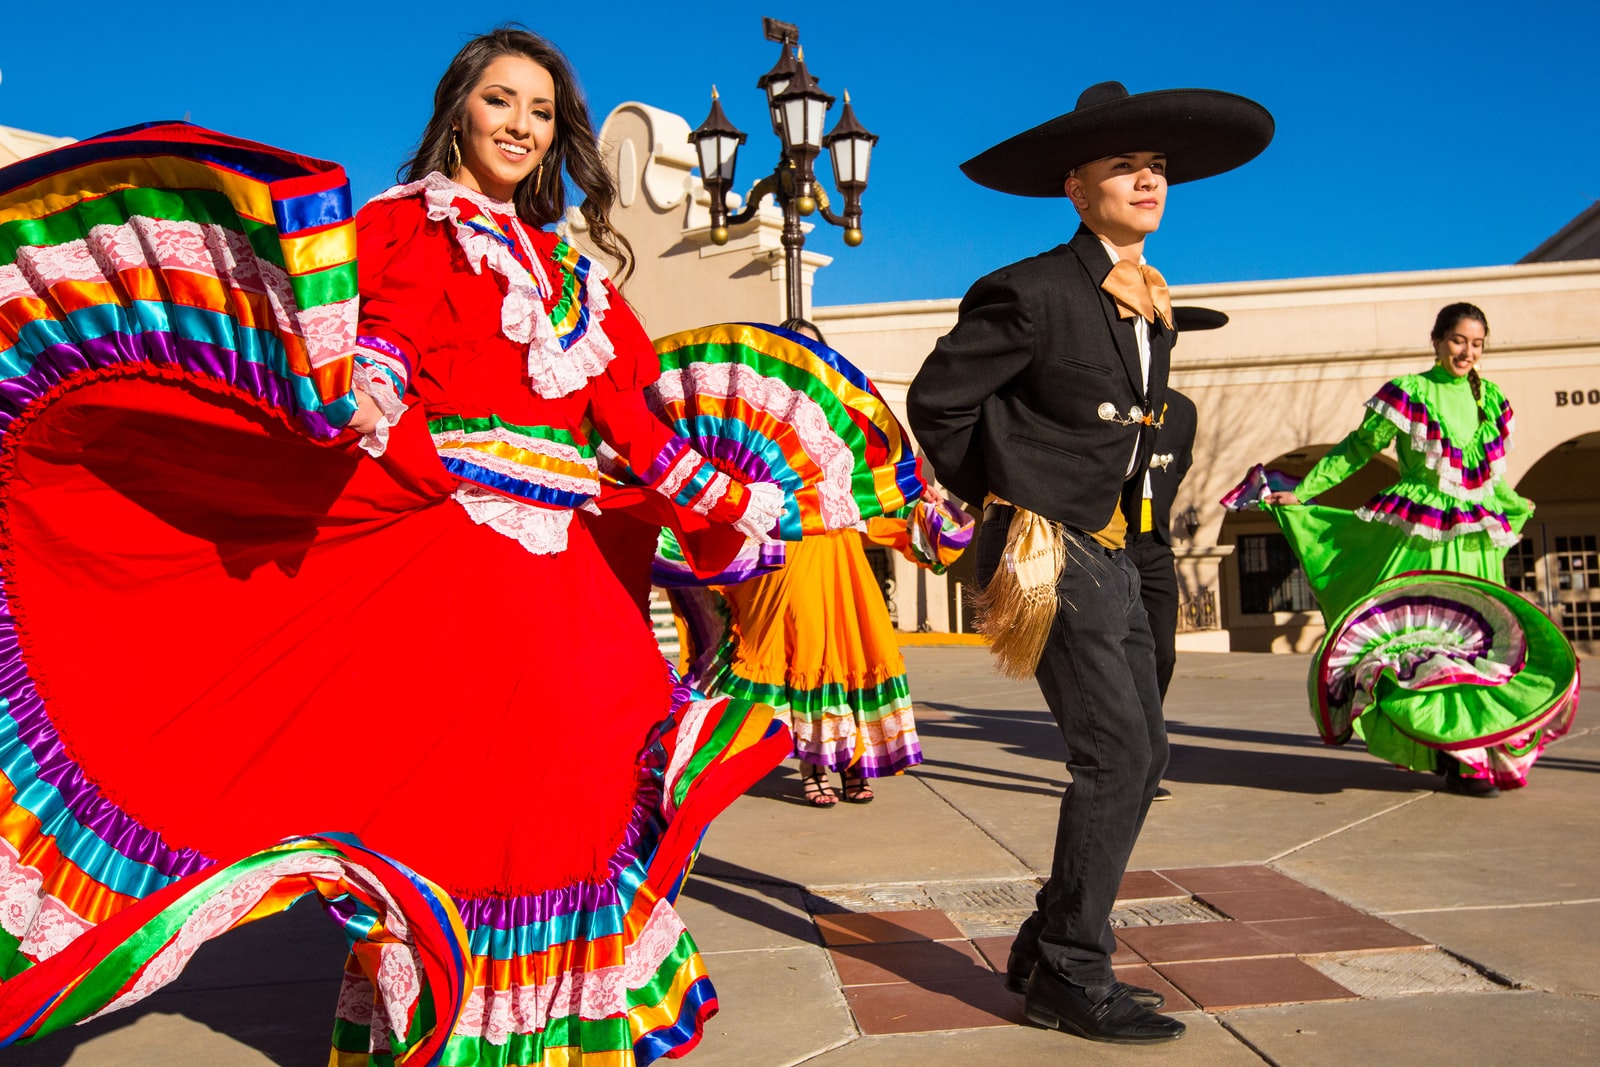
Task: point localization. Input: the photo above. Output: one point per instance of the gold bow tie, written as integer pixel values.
(1139, 289)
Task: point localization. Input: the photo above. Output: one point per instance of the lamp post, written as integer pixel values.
(797, 108)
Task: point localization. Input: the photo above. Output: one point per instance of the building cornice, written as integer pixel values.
(1240, 292)
(1377, 355)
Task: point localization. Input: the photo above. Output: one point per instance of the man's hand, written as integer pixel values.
(365, 420)
(1284, 497)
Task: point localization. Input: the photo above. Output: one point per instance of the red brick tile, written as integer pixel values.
(1219, 985)
(885, 927)
(1146, 885)
(995, 950)
(1261, 905)
(910, 961)
(1230, 879)
(1342, 933)
(907, 1008)
(1125, 956)
(1150, 978)
(1199, 941)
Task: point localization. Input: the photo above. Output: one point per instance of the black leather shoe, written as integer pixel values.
(1099, 1013)
(1162, 793)
(1019, 968)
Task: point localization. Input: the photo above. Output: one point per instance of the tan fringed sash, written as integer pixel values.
(1018, 606)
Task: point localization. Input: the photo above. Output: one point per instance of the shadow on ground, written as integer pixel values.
(1275, 760)
(271, 985)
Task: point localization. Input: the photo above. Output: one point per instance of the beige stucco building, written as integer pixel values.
(18, 144)
(1280, 384)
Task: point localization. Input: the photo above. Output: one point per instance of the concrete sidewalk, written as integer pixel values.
(1302, 905)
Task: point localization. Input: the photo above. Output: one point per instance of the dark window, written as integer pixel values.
(1577, 563)
(1270, 578)
(1580, 621)
(1522, 573)
(1577, 575)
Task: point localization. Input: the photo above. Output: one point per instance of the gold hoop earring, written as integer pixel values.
(538, 178)
(452, 158)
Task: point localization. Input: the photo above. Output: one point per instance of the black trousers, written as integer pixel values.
(1158, 589)
(1098, 677)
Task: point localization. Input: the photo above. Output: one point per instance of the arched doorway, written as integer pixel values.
(1266, 602)
(1557, 564)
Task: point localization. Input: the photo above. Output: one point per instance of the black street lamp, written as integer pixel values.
(717, 143)
(798, 109)
(850, 145)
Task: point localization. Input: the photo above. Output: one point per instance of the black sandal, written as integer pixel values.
(857, 790)
(815, 789)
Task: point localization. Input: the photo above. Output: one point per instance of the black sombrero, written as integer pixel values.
(1189, 319)
(1202, 131)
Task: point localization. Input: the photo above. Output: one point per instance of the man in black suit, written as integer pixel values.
(1041, 402)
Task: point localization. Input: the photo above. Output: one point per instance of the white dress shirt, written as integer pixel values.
(1141, 333)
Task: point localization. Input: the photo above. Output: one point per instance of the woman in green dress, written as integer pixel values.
(1435, 671)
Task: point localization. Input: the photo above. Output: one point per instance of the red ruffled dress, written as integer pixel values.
(238, 635)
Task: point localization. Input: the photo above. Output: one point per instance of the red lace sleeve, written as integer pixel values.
(401, 265)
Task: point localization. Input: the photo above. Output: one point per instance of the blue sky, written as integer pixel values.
(1410, 135)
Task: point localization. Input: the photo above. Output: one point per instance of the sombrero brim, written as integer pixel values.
(1202, 131)
(1188, 318)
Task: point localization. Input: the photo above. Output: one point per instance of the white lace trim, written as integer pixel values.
(542, 531)
(376, 384)
(761, 514)
(42, 923)
(552, 371)
(714, 492)
(205, 249)
(1489, 524)
(1432, 452)
(682, 468)
(464, 443)
(773, 397)
(494, 1015)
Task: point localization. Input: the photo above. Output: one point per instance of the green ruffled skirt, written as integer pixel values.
(1427, 651)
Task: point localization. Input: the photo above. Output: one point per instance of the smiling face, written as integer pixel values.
(508, 125)
(1459, 350)
(1121, 197)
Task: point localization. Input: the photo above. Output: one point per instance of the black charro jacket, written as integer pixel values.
(1010, 401)
(1170, 459)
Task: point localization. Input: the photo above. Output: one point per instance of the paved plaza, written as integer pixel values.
(1300, 905)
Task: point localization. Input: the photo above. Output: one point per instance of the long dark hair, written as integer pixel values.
(575, 147)
(1448, 319)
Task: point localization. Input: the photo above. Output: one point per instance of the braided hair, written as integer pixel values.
(1448, 318)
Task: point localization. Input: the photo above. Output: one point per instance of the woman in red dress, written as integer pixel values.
(403, 637)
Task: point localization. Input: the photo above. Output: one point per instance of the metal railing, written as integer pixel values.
(1198, 612)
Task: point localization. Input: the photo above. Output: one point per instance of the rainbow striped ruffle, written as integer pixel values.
(770, 405)
(175, 246)
(868, 728)
(408, 942)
